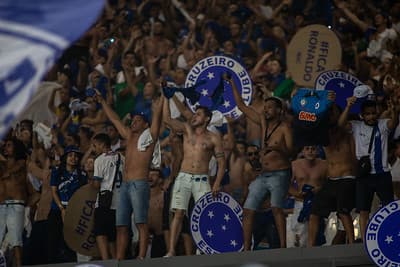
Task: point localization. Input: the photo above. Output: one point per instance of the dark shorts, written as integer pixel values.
(335, 195)
(104, 223)
(381, 184)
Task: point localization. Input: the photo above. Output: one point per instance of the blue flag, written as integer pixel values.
(33, 35)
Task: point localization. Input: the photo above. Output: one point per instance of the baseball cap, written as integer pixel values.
(362, 91)
(70, 149)
(144, 114)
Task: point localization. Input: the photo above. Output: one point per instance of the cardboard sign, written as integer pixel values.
(79, 221)
(215, 93)
(344, 85)
(216, 224)
(382, 237)
(312, 50)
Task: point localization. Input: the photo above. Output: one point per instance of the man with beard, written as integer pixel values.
(275, 160)
(199, 145)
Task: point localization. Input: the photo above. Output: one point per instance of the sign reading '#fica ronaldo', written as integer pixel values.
(382, 237)
(215, 93)
(312, 50)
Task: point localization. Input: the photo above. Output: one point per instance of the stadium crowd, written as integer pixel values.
(113, 127)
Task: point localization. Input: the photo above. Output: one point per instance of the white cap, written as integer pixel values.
(362, 91)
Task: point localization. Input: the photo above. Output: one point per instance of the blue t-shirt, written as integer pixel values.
(67, 183)
(310, 105)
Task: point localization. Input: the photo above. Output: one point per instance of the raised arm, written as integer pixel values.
(220, 156)
(112, 116)
(174, 124)
(248, 111)
(157, 109)
(342, 122)
(183, 109)
(351, 16)
(393, 115)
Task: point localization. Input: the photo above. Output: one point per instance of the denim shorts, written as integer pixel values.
(273, 183)
(12, 217)
(134, 196)
(185, 185)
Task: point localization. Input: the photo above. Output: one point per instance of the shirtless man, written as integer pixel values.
(307, 172)
(235, 162)
(199, 145)
(158, 244)
(135, 190)
(338, 193)
(13, 195)
(275, 160)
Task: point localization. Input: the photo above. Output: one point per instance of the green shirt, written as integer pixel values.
(126, 104)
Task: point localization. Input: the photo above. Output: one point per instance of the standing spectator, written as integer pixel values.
(64, 181)
(141, 138)
(13, 195)
(375, 130)
(199, 145)
(108, 168)
(158, 243)
(308, 174)
(275, 176)
(337, 194)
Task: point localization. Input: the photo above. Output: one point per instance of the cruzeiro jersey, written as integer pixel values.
(67, 183)
(310, 106)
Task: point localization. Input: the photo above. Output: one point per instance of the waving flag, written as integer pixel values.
(33, 34)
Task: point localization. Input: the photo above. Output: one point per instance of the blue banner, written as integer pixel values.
(382, 237)
(211, 91)
(344, 85)
(33, 35)
(216, 224)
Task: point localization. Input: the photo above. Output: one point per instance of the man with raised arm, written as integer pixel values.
(141, 138)
(199, 145)
(371, 136)
(275, 155)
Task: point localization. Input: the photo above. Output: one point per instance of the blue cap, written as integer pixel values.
(70, 149)
(143, 113)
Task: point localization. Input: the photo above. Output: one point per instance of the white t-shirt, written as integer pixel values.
(362, 136)
(104, 170)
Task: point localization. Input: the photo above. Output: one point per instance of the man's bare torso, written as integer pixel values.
(137, 162)
(340, 156)
(198, 150)
(313, 175)
(156, 211)
(272, 160)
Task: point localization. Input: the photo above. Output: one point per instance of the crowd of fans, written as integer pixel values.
(112, 76)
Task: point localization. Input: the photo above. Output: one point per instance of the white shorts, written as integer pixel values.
(299, 231)
(12, 218)
(186, 185)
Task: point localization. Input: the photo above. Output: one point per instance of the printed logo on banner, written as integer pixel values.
(215, 93)
(382, 237)
(344, 85)
(216, 224)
